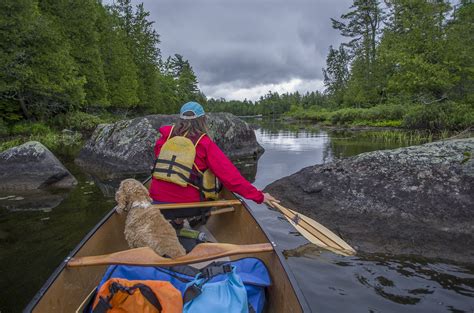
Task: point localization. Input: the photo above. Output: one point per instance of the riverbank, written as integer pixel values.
(433, 117)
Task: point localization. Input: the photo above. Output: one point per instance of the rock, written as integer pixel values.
(33, 200)
(414, 200)
(32, 166)
(125, 148)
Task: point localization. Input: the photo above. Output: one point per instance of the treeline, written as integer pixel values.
(59, 58)
(406, 63)
(270, 104)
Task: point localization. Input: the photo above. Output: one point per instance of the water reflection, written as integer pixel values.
(381, 283)
(287, 152)
(37, 200)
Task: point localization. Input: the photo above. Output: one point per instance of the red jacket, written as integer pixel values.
(208, 155)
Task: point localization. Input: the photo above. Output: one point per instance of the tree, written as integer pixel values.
(143, 43)
(363, 26)
(186, 81)
(38, 77)
(336, 74)
(120, 70)
(77, 21)
(413, 47)
(459, 51)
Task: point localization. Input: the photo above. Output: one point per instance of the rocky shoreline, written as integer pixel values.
(414, 200)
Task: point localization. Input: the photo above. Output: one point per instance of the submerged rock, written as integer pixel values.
(126, 147)
(33, 200)
(32, 166)
(414, 200)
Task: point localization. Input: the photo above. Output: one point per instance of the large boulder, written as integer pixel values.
(32, 166)
(126, 147)
(414, 200)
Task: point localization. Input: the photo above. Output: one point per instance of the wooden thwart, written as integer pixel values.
(147, 257)
(315, 232)
(222, 211)
(202, 204)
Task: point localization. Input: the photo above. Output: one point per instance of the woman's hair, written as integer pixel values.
(192, 127)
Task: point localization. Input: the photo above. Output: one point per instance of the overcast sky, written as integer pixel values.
(244, 48)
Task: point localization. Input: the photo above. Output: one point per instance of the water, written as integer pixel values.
(33, 242)
(364, 283)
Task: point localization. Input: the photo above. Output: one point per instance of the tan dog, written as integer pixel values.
(145, 227)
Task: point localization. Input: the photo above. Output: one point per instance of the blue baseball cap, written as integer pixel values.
(193, 107)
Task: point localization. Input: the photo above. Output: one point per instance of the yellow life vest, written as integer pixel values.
(175, 164)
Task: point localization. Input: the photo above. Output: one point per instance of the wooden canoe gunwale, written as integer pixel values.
(280, 258)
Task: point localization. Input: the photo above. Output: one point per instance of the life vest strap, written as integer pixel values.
(172, 172)
(174, 163)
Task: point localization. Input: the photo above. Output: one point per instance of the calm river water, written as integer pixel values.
(34, 237)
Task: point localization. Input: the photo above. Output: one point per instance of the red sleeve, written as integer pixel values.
(164, 133)
(229, 175)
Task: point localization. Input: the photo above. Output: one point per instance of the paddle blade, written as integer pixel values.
(315, 232)
(147, 257)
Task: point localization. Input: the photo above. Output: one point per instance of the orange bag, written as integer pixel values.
(148, 296)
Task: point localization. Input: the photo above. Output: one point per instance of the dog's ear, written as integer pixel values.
(121, 198)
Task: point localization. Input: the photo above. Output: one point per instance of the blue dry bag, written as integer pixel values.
(228, 295)
(251, 271)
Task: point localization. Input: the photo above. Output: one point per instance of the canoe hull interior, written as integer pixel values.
(68, 287)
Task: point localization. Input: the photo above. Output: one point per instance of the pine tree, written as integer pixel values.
(39, 78)
(362, 25)
(186, 81)
(459, 51)
(119, 67)
(412, 48)
(143, 42)
(336, 73)
(77, 20)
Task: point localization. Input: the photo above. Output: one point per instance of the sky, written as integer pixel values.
(244, 48)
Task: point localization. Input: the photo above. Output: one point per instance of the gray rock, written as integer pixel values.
(414, 200)
(126, 148)
(32, 166)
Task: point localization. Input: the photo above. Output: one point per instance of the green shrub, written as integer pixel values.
(5, 145)
(28, 128)
(78, 121)
(386, 123)
(3, 129)
(438, 116)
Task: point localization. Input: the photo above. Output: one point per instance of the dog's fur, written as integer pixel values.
(144, 226)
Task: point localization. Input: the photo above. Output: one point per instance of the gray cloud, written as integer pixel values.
(248, 42)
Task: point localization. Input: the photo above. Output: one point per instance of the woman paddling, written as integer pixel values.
(187, 159)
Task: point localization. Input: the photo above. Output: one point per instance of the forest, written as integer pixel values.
(405, 63)
(74, 64)
(70, 62)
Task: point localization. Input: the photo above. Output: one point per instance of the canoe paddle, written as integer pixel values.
(147, 257)
(315, 232)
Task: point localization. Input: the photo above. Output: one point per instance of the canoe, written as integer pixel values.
(69, 287)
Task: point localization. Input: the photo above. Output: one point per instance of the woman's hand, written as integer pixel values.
(268, 199)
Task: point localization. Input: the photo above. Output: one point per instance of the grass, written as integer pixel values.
(406, 137)
(53, 141)
(435, 117)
